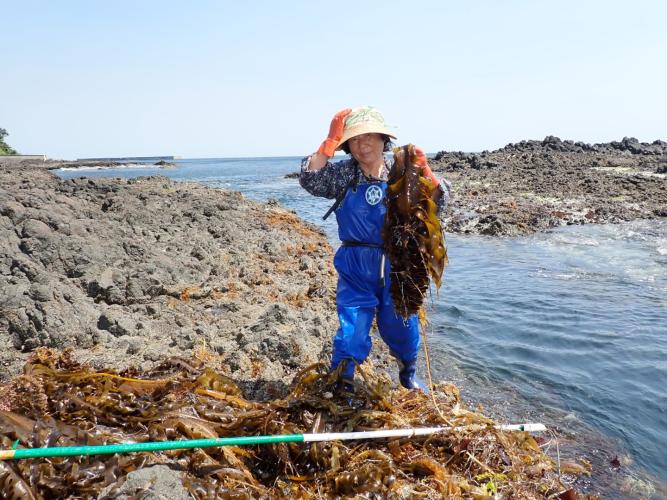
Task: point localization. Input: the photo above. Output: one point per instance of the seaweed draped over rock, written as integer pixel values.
(58, 402)
(414, 241)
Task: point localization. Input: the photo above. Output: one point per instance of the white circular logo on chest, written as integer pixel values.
(373, 195)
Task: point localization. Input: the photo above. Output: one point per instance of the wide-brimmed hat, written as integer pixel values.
(364, 120)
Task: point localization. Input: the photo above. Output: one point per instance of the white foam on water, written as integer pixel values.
(575, 241)
(631, 252)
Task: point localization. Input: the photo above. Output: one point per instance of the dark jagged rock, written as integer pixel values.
(534, 185)
(552, 143)
(165, 164)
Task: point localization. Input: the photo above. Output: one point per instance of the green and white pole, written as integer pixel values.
(108, 449)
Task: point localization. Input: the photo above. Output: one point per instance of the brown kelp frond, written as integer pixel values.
(413, 236)
(12, 485)
(188, 400)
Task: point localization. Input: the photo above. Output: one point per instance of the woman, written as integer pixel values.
(359, 184)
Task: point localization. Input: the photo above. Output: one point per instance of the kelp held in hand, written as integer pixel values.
(58, 402)
(413, 236)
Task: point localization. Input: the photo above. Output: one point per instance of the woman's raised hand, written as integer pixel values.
(328, 147)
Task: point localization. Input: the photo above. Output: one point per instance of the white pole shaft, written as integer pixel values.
(420, 431)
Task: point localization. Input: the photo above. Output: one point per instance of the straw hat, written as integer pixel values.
(364, 120)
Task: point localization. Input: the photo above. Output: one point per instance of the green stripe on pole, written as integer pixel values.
(70, 451)
(108, 449)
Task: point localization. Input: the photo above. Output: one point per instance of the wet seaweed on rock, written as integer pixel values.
(186, 399)
(414, 240)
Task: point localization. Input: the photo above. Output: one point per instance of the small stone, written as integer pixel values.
(162, 482)
(41, 293)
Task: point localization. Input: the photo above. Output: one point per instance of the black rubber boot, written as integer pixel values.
(407, 375)
(344, 385)
(344, 388)
(345, 382)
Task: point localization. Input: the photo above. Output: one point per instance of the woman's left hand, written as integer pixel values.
(422, 162)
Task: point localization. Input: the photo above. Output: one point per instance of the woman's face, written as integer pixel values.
(367, 149)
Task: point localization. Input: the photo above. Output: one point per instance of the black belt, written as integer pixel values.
(349, 243)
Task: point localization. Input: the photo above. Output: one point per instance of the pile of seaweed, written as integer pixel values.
(60, 402)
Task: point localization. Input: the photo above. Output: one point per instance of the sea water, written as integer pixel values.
(567, 327)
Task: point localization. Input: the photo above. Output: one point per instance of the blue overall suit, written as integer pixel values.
(363, 286)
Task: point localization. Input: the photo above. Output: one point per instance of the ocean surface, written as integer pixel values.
(567, 327)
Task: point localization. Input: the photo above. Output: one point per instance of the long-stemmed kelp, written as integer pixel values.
(413, 236)
(59, 402)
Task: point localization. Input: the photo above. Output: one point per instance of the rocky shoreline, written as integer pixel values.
(130, 272)
(533, 186)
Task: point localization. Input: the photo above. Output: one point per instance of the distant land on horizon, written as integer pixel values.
(138, 158)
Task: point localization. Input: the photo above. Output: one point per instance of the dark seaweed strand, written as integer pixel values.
(409, 270)
(407, 159)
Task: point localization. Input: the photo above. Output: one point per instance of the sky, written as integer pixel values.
(236, 79)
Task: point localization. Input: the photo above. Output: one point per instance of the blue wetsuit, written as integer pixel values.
(364, 281)
(363, 274)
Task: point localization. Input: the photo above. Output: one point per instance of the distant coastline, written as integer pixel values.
(132, 158)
